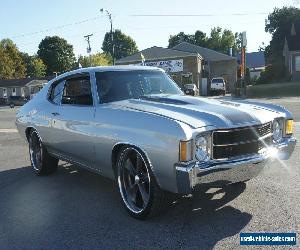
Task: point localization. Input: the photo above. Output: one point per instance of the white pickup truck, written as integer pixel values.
(217, 86)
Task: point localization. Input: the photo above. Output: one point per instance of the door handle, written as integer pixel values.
(55, 113)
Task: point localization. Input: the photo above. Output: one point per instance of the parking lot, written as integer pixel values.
(77, 209)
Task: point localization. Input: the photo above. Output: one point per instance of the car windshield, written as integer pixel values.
(217, 80)
(121, 85)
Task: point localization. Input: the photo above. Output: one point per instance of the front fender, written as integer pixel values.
(158, 137)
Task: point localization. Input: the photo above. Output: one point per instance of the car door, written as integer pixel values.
(72, 121)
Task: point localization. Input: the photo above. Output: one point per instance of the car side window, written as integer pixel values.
(56, 92)
(77, 91)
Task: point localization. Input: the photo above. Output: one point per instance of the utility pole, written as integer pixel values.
(89, 49)
(111, 34)
(243, 64)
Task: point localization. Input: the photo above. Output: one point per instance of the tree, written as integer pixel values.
(219, 40)
(262, 47)
(214, 40)
(99, 59)
(278, 25)
(57, 54)
(200, 38)
(11, 63)
(34, 65)
(6, 65)
(229, 40)
(179, 38)
(38, 68)
(273, 73)
(123, 45)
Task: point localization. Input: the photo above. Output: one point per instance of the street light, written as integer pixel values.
(111, 34)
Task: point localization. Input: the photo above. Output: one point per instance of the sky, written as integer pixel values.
(28, 22)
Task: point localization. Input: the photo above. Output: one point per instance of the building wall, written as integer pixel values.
(190, 65)
(32, 87)
(19, 91)
(2, 100)
(9, 91)
(286, 55)
(295, 73)
(27, 92)
(226, 69)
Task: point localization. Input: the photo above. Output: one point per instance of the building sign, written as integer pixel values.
(168, 66)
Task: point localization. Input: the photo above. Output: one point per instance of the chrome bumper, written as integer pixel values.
(220, 173)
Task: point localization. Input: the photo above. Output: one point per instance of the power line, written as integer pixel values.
(197, 15)
(134, 15)
(65, 36)
(196, 26)
(55, 27)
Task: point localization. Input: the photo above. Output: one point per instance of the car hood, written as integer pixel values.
(199, 112)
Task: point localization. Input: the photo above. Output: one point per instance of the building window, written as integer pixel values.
(297, 63)
(4, 92)
(14, 92)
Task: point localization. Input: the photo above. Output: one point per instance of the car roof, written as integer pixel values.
(218, 78)
(107, 68)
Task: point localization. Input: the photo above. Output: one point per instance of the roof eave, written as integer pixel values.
(160, 58)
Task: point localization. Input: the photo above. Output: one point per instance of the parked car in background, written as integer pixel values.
(3, 101)
(133, 124)
(218, 86)
(191, 89)
(13, 101)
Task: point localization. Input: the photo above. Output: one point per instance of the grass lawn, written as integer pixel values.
(274, 89)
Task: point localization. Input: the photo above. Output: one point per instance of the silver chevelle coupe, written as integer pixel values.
(133, 124)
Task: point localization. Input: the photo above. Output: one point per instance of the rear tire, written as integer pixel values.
(140, 193)
(42, 163)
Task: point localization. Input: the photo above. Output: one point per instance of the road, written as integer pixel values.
(75, 209)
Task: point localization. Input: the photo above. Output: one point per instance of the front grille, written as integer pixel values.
(240, 141)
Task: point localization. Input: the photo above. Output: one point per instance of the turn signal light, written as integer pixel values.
(289, 127)
(186, 150)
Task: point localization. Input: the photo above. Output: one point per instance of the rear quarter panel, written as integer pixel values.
(35, 114)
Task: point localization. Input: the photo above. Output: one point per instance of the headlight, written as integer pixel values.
(202, 147)
(277, 130)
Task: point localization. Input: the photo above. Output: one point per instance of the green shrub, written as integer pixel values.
(273, 73)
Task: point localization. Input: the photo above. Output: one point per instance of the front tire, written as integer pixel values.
(42, 163)
(140, 193)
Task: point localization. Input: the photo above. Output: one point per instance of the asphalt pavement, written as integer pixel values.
(75, 209)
